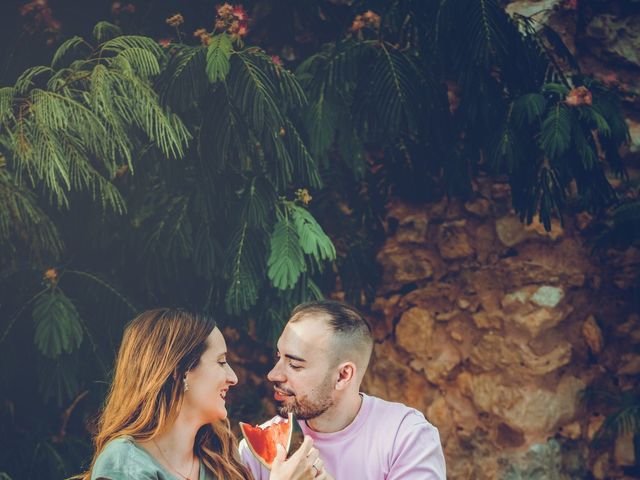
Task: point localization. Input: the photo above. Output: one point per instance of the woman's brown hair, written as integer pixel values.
(158, 348)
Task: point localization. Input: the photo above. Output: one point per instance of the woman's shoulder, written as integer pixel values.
(122, 459)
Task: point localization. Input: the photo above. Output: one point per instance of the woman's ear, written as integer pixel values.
(346, 374)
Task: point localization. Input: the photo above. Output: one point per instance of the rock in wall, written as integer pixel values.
(494, 329)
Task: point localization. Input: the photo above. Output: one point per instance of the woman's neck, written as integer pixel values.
(173, 447)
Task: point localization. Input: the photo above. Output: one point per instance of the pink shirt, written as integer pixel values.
(386, 441)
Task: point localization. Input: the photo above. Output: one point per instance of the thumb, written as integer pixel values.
(281, 456)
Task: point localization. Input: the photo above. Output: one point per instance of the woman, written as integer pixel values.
(165, 415)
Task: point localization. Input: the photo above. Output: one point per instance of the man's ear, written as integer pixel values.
(346, 375)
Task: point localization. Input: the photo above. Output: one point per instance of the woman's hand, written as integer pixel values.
(300, 466)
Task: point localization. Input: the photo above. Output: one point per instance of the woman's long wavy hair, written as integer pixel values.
(158, 348)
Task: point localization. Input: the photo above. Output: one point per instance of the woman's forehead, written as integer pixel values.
(216, 343)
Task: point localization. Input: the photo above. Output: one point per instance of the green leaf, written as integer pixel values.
(104, 31)
(70, 50)
(528, 108)
(556, 89)
(286, 260)
(26, 80)
(394, 89)
(320, 119)
(7, 95)
(58, 324)
(218, 55)
(313, 240)
(246, 257)
(555, 136)
(118, 44)
(143, 62)
(184, 79)
(597, 121)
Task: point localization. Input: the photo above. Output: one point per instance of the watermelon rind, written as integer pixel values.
(245, 426)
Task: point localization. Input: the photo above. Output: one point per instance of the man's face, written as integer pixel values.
(303, 378)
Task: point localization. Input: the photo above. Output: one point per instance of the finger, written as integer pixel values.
(313, 456)
(304, 449)
(281, 455)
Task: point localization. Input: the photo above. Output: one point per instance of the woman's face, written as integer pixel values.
(209, 381)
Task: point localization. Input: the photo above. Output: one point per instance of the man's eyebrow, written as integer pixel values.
(293, 357)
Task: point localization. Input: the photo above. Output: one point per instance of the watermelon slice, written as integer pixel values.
(263, 440)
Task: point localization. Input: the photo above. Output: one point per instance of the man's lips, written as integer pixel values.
(280, 395)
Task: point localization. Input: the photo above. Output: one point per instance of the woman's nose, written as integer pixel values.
(232, 378)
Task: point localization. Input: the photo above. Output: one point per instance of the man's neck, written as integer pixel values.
(339, 416)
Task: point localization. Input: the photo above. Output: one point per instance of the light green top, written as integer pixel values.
(123, 459)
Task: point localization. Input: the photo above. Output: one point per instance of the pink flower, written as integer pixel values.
(240, 13)
(277, 60)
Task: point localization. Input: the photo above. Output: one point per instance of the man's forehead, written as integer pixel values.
(305, 335)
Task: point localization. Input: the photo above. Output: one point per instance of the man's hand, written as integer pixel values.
(299, 466)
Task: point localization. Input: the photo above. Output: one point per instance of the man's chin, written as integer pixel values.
(284, 410)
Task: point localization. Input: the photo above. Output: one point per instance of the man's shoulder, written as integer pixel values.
(393, 409)
(397, 414)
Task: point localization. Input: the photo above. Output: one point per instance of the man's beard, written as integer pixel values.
(310, 406)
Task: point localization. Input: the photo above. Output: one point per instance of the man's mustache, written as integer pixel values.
(283, 389)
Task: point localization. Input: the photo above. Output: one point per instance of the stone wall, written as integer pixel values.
(494, 329)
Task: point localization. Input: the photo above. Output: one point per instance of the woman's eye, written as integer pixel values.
(295, 367)
(222, 364)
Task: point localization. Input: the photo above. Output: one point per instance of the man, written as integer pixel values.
(323, 354)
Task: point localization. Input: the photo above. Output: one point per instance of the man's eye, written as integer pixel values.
(222, 363)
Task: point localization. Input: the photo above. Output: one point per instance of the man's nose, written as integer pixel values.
(275, 375)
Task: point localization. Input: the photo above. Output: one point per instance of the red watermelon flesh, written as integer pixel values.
(263, 440)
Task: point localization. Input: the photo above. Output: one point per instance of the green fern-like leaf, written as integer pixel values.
(556, 89)
(125, 42)
(528, 108)
(184, 80)
(143, 62)
(286, 260)
(21, 213)
(320, 119)
(70, 50)
(484, 24)
(597, 121)
(394, 88)
(246, 257)
(104, 31)
(218, 55)
(28, 77)
(58, 324)
(305, 165)
(312, 238)
(555, 136)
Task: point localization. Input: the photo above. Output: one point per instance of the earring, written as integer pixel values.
(186, 385)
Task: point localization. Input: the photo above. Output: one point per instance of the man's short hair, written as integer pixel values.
(351, 331)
